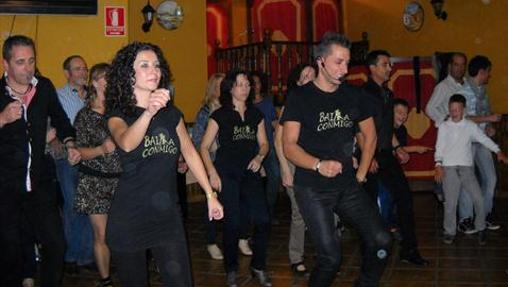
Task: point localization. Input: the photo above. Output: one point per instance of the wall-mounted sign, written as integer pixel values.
(114, 20)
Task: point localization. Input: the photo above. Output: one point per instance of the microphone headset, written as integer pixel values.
(340, 79)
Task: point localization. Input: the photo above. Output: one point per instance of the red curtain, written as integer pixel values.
(420, 128)
(285, 18)
(217, 29)
(326, 14)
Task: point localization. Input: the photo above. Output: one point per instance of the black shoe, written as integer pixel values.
(396, 236)
(448, 239)
(299, 269)
(261, 276)
(71, 268)
(466, 226)
(489, 222)
(105, 282)
(482, 237)
(231, 279)
(413, 257)
(275, 221)
(92, 268)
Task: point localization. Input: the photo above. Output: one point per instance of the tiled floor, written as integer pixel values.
(462, 264)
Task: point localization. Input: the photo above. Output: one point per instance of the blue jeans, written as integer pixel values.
(486, 172)
(273, 181)
(354, 206)
(77, 227)
(242, 190)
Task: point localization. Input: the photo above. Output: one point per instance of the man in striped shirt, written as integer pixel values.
(78, 232)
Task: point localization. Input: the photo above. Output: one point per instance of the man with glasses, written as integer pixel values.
(385, 167)
(77, 229)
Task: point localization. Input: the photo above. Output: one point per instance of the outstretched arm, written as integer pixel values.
(195, 164)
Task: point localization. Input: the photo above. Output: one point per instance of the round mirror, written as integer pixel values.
(413, 16)
(169, 15)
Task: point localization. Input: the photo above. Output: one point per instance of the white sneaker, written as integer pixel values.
(243, 244)
(214, 252)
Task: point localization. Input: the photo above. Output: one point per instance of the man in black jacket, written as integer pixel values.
(385, 167)
(27, 199)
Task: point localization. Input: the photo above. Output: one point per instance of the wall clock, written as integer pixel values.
(413, 16)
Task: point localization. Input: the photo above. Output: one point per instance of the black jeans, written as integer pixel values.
(392, 176)
(11, 263)
(353, 205)
(172, 260)
(242, 191)
(34, 216)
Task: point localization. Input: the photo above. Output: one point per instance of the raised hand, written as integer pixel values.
(12, 112)
(158, 99)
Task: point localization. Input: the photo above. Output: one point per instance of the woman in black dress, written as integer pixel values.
(150, 134)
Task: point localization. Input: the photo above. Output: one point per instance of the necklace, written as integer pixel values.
(20, 93)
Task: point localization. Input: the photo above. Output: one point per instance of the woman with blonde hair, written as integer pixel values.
(99, 169)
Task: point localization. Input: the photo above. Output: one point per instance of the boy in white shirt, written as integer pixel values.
(454, 166)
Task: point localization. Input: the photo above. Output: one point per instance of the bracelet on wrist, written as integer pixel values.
(395, 148)
(210, 195)
(317, 165)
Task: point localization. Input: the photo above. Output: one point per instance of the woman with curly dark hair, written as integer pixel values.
(235, 172)
(150, 134)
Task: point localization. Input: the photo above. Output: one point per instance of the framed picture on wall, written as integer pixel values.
(73, 7)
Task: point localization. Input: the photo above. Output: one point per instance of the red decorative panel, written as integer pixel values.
(326, 14)
(217, 29)
(285, 18)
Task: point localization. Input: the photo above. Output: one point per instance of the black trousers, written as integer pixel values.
(243, 195)
(172, 260)
(353, 205)
(11, 264)
(391, 175)
(32, 216)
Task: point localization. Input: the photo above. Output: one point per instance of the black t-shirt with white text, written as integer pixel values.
(328, 123)
(237, 138)
(145, 211)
